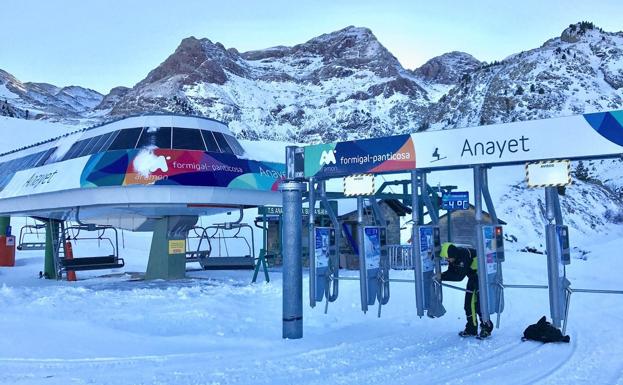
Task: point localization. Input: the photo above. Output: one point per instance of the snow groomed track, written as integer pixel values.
(217, 329)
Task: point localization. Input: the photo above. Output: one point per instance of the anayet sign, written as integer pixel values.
(575, 137)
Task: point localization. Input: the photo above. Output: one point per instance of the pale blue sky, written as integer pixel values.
(102, 44)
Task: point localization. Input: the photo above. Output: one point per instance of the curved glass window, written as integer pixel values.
(45, 157)
(155, 137)
(111, 138)
(222, 143)
(187, 139)
(87, 148)
(75, 149)
(210, 142)
(96, 144)
(234, 144)
(126, 139)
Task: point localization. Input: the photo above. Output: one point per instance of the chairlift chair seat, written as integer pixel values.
(92, 263)
(228, 263)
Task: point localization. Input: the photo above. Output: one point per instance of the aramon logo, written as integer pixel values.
(327, 157)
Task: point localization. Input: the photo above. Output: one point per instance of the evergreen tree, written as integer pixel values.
(582, 172)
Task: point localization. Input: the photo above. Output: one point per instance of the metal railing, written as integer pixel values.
(400, 257)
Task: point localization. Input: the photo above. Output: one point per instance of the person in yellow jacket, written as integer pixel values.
(462, 262)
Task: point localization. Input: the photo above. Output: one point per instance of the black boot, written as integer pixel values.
(485, 329)
(470, 330)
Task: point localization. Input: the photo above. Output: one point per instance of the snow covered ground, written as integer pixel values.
(216, 328)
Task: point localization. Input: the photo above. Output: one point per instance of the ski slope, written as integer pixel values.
(216, 328)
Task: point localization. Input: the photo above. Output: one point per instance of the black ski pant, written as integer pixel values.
(472, 304)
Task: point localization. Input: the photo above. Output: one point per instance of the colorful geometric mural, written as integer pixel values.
(180, 167)
(393, 153)
(608, 124)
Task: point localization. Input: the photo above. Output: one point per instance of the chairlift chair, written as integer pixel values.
(216, 260)
(111, 261)
(203, 247)
(28, 231)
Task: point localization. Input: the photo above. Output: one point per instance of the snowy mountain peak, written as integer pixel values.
(35, 100)
(195, 60)
(448, 68)
(351, 43)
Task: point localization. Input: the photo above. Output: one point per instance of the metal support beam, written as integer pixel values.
(363, 274)
(379, 218)
(483, 292)
(487, 196)
(311, 241)
(292, 260)
(416, 179)
(334, 264)
(432, 212)
(555, 269)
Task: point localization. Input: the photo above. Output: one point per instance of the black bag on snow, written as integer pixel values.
(544, 331)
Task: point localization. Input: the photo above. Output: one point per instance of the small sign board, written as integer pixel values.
(278, 210)
(177, 246)
(359, 184)
(548, 173)
(458, 200)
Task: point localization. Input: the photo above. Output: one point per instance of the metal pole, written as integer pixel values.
(494, 220)
(363, 274)
(597, 291)
(567, 303)
(487, 196)
(434, 215)
(416, 177)
(311, 242)
(449, 216)
(483, 292)
(557, 210)
(335, 263)
(553, 259)
(525, 286)
(292, 259)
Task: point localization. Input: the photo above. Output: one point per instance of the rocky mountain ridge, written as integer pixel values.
(346, 84)
(42, 100)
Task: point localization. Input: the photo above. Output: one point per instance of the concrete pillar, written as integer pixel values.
(52, 228)
(167, 256)
(5, 222)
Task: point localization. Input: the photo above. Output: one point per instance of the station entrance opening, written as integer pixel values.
(532, 143)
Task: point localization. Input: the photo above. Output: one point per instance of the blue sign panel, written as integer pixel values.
(323, 242)
(372, 247)
(372, 256)
(494, 275)
(458, 200)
